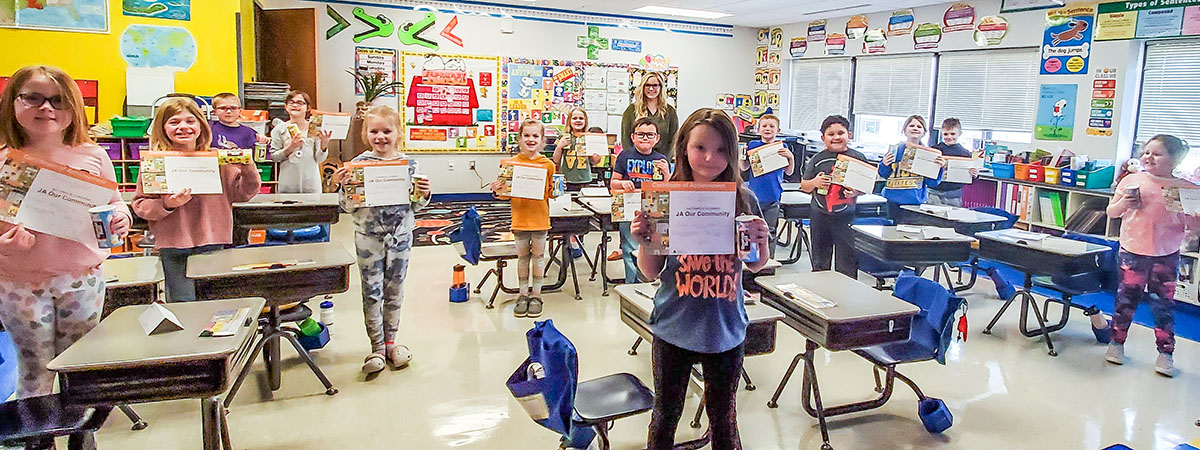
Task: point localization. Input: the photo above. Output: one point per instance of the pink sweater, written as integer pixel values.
(54, 256)
(1151, 230)
(203, 220)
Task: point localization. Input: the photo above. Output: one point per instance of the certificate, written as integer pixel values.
(378, 183)
(921, 161)
(625, 205)
(172, 172)
(691, 218)
(51, 198)
(592, 144)
(527, 181)
(1182, 200)
(854, 173)
(765, 158)
(958, 169)
(338, 124)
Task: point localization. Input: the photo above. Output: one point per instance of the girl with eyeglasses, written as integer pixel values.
(299, 149)
(649, 102)
(51, 288)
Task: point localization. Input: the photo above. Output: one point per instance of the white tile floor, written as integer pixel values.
(1004, 390)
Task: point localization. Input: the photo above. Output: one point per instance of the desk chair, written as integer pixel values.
(603, 400)
(879, 269)
(501, 253)
(36, 421)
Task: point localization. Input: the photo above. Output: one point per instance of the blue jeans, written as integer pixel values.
(180, 288)
(629, 248)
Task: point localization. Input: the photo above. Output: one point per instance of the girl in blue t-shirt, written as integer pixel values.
(903, 187)
(699, 315)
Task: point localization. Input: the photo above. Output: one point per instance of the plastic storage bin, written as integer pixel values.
(1003, 170)
(112, 148)
(1050, 175)
(136, 149)
(1036, 173)
(133, 173)
(120, 173)
(265, 171)
(1021, 171)
(130, 126)
(1095, 179)
(1066, 177)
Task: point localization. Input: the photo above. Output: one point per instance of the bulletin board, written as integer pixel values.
(452, 103)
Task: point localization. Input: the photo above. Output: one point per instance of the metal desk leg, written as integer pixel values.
(138, 423)
(1030, 302)
(774, 402)
(210, 416)
(811, 387)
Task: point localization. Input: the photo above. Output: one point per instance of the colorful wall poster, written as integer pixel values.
(1056, 112)
(451, 102)
(371, 59)
(856, 26)
(874, 41)
(776, 39)
(541, 89)
(1067, 40)
(774, 78)
(959, 17)
(760, 56)
(835, 44)
(760, 78)
(153, 46)
(76, 15)
(626, 45)
(1147, 19)
(1104, 97)
(991, 31)
(816, 30)
(901, 22)
(798, 47)
(158, 9)
(764, 35)
(927, 36)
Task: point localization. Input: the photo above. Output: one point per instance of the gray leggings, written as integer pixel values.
(180, 288)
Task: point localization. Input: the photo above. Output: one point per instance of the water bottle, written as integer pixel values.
(327, 314)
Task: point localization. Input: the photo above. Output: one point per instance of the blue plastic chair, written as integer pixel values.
(929, 337)
(879, 269)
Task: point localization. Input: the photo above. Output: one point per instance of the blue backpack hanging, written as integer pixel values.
(548, 396)
(469, 234)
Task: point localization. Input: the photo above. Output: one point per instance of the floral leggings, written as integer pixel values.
(44, 319)
(1139, 274)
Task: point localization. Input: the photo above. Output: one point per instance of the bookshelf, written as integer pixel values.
(1013, 196)
(125, 154)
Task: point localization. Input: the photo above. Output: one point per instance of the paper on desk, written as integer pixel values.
(958, 169)
(594, 192)
(810, 298)
(528, 182)
(765, 159)
(960, 214)
(921, 161)
(267, 265)
(225, 323)
(158, 319)
(1022, 235)
(938, 233)
(854, 173)
(908, 228)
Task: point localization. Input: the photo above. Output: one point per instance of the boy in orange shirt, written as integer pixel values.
(530, 220)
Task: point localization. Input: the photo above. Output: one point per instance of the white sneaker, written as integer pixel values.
(1165, 365)
(1115, 354)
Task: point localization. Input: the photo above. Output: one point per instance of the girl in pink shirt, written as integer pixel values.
(1150, 239)
(51, 288)
(183, 224)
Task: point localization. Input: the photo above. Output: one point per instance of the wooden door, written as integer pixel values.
(287, 47)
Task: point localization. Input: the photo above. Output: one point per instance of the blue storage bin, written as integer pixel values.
(1003, 170)
(1066, 177)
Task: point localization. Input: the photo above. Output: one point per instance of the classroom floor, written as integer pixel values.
(1004, 390)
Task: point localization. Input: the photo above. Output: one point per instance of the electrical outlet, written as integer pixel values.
(471, 164)
(450, 165)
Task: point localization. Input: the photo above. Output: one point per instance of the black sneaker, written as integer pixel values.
(522, 308)
(535, 307)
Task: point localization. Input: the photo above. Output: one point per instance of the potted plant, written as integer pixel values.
(374, 84)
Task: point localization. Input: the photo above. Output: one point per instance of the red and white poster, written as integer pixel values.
(451, 102)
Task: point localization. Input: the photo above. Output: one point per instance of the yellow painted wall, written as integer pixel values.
(248, 47)
(94, 56)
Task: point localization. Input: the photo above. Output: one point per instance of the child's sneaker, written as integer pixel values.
(522, 308)
(1101, 327)
(614, 256)
(1165, 365)
(535, 307)
(399, 356)
(576, 252)
(373, 364)
(1115, 354)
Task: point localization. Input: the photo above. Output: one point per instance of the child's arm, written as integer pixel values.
(1120, 203)
(650, 264)
(242, 182)
(559, 146)
(149, 206)
(422, 187)
(787, 153)
(322, 144)
(889, 158)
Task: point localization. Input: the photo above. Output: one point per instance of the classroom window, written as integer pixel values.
(819, 88)
(1170, 95)
(989, 90)
(886, 91)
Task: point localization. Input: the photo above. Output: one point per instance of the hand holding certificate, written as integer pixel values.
(1182, 200)
(51, 198)
(524, 180)
(854, 173)
(625, 205)
(921, 160)
(172, 172)
(690, 218)
(592, 144)
(377, 183)
(958, 169)
(766, 158)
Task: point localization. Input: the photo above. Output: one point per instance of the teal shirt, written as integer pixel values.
(576, 166)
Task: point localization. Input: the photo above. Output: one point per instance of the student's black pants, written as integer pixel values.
(830, 232)
(672, 366)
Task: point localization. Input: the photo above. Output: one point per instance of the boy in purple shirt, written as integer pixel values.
(227, 133)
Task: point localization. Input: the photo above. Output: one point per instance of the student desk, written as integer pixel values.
(117, 363)
(567, 218)
(601, 208)
(321, 268)
(283, 211)
(962, 220)
(910, 249)
(130, 281)
(637, 301)
(1037, 254)
(861, 317)
(796, 207)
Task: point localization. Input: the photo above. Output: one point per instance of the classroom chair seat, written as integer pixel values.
(500, 253)
(36, 421)
(600, 401)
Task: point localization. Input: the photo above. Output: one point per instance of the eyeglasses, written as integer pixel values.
(297, 102)
(645, 135)
(36, 100)
(228, 108)
(654, 86)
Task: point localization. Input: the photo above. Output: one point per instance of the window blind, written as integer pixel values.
(1170, 91)
(897, 86)
(988, 89)
(819, 88)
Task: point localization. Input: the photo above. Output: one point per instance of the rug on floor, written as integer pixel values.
(435, 222)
